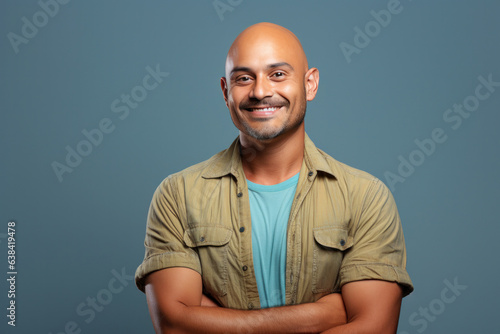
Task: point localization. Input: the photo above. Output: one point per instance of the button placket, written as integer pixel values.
(303, 189)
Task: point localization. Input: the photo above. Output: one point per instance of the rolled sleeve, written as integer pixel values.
(165, 246)
(378, 251)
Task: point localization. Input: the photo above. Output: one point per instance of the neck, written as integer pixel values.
(272, 161)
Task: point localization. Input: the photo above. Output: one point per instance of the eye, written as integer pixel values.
(243, 78)
(278, 74)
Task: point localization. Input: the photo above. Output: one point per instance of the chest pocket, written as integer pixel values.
(211, 243)
(328, 251)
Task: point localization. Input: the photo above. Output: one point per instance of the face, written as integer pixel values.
(265, 88)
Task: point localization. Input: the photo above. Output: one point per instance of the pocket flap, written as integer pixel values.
(207, 236)
(333, 237)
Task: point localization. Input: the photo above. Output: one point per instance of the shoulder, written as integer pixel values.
(198, 169)
(193, 174)
(346, 175)
(350, 175)
(360, 187)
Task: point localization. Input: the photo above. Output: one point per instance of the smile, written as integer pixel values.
(266, 111)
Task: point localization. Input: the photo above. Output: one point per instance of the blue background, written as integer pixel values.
(72, 235)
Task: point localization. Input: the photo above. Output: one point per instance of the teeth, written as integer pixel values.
(265, 109)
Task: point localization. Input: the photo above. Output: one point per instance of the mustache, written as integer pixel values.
(266, 102)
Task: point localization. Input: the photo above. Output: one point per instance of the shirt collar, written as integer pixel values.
(315, 159)
(229, 161)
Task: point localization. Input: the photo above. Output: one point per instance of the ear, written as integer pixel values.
(223, 86)
(311, 83)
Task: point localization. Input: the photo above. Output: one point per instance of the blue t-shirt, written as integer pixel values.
(270, 208)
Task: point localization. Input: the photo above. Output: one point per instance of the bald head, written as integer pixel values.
(267, 38)
(268, 82)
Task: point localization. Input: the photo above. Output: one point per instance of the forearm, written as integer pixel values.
(343, 329)
(177, 305)
(360, 328)
(352, 328)
(304, 318)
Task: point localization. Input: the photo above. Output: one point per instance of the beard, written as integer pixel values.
(268, 131)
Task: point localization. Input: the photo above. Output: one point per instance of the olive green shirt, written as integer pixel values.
(343, 226)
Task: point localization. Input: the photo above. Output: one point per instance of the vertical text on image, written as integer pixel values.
(11, 272)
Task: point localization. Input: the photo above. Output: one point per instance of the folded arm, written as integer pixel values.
(175, 297)
(372, 307)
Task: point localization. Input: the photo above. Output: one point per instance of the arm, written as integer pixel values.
(175, 295)
(373, 273)
(372, 307)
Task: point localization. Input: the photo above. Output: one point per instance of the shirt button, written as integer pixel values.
(239, 194)
(250, 306)
(242, 229)
(310, 173)
(342, 242)
(245, 268)
(202, 239)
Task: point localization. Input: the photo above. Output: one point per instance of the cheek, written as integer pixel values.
(291, 91)
(234, 97)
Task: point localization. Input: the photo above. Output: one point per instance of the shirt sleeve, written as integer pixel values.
(378, 251)
(164, 242)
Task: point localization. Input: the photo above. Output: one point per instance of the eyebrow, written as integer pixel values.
(270, 66)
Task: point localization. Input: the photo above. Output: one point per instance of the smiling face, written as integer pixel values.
(267, 83)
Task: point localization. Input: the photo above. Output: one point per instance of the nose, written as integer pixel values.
(262, 88)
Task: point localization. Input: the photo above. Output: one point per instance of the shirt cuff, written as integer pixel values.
(165, 260)
(377, 271)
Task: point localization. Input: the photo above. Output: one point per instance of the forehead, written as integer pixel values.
(258, 51)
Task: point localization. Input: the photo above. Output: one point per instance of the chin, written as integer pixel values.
(264, 134)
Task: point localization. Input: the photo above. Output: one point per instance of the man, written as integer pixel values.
(272, 235)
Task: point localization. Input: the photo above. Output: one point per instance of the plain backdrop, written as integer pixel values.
(66, 69)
